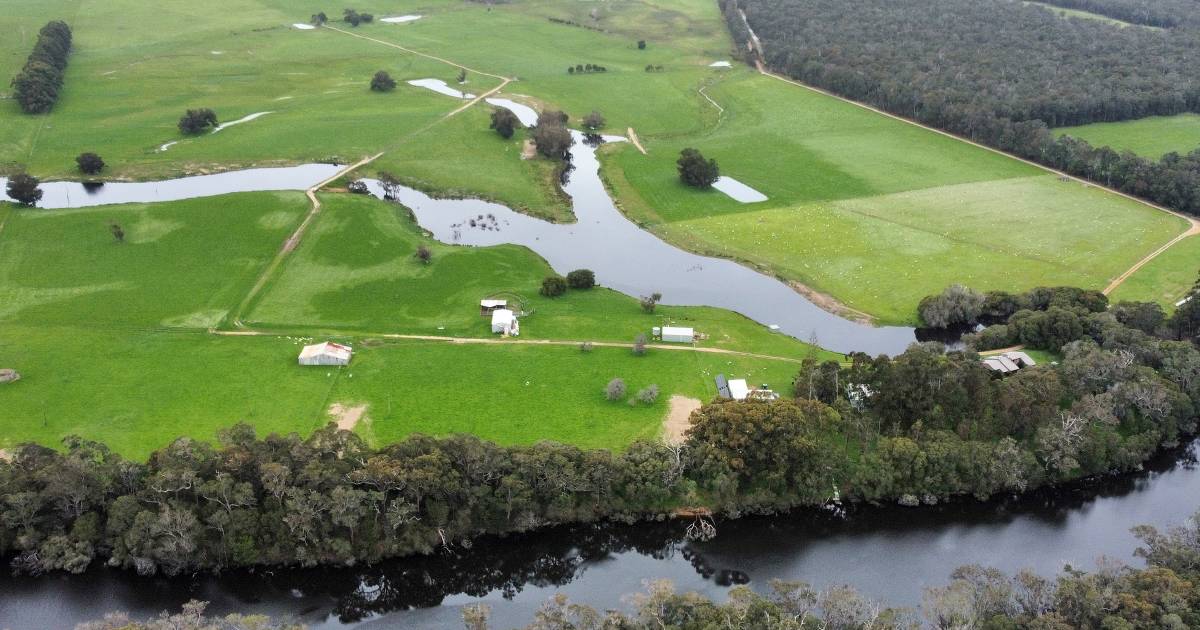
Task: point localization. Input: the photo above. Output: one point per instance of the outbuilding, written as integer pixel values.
(504, 322)
(676, 334)
(327, 353)
(487, 307)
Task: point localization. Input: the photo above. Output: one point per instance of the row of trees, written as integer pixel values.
(998, 73)
(1163, 595)
(354, 18)
(36, 87)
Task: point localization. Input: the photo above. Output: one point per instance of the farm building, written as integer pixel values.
(737, 389)
(676, 334)
(327, 353)
(505, 322)
(487, 307)
(1008, 362)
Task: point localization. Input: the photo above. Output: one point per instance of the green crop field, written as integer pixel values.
(1148, 137)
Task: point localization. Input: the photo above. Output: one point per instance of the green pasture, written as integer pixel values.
(112, 341)
(1150, 138)
(1166, 279)
(356, 271)
(1087, 15)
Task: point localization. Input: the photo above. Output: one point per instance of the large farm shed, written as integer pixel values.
(327, 353)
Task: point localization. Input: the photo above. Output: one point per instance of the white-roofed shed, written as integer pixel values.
(326, 353)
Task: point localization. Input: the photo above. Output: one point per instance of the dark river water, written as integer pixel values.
(889, 553)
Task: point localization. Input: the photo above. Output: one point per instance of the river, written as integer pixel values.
(889, 553)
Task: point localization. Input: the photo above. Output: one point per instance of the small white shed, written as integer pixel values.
(327, 353)
(738, 390)
(678, 335)
(504, 322)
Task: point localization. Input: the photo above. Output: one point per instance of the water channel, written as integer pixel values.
(889, 553)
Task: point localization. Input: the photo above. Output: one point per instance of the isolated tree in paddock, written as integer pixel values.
(23, 188)
(195, 121)
(89, 163)
(424, 255)
(615, 390)
(118, 233)
(648, 394)
(641, 44)
(504, 122)
(319, 19)
(553, 286)
(695, 171)
(581, 279)
(351, 17)
(382, 82)
(462, 75)
(649, 302)
(594, 121)
(639, 344)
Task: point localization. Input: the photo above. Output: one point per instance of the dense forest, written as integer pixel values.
(1158, 13)
(1000, 73)
(1164, 595)
(920, 427)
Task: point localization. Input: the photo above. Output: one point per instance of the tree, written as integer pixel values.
(118, 232)
(593, 122)
(581, 279)
(319, 19)
(89, 163)
(641, 44)
(23, 188)
(553, 286)
(504, 122)
(195, 121)
(639, 344)
(955, 306)
(649, 302)
(352, 17)
(552, 141)
(382, 82)
(423, 254)
(695, 171)
(462, 75)
(615, 390)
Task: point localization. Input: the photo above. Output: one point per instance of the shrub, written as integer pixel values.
(585, 347)
(581, 279)
(641, 44)
(695, 171)
(319, 19)
(195, 121)
(382, 82)
(423, 254)
(118, 233)
(358, 187)
(553, 286)
(23, 188)
(615, 390)
(648, 395)
(639, 344)
(649, 302)
(89, 163)
(594, 121)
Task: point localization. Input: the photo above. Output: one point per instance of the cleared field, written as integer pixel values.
(137, 66)
(1148, 137)
(1086, 15)
(111, 338)
(1166, 279)
(878, 213)
(356, 272)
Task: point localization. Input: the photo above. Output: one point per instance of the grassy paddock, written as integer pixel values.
(1148, 137)
(1166, 279)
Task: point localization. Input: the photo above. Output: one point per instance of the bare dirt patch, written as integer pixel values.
(528, 150)
(347, 416)
(5, 455)
(677, 421)
(831, 304)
